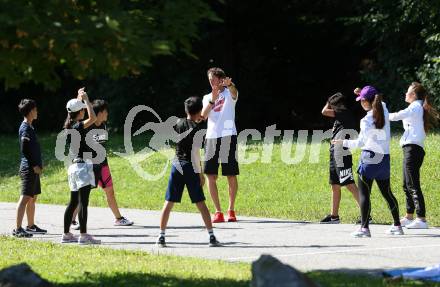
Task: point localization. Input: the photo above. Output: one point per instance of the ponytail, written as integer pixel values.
(378, 113)
(430, 114)
(70, 119)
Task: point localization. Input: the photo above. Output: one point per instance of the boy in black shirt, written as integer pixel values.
(340, 174)
(186, 170)
(31, 167)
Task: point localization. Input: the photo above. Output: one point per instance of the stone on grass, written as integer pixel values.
(268, 271)
(21, 275)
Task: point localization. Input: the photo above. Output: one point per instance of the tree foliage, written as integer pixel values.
(41, 39)
(405, 36)
(286, 57)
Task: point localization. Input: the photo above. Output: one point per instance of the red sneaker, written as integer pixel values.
(231, 216)
(218, 217)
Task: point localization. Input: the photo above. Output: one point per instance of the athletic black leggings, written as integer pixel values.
(78, 199)
(412, 161)
(365, 185)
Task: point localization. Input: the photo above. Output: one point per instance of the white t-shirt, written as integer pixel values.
(221, 118)
(371, 138)
(412, 119)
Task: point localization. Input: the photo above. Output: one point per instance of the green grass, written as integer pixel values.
(299, 191)
(90, 266)
(97, 266)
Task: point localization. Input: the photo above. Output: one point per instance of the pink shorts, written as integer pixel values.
(103, 176)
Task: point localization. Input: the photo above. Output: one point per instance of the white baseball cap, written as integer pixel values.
(75, 105)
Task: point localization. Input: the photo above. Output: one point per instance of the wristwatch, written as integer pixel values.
(211, 102)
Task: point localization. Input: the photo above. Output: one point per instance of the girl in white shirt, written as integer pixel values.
(374, 140)
(417, 119)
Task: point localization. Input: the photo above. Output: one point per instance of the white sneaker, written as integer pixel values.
(74, 225)
(418, 224)
(405, 221)
(69, 238)
(123, 222)
(86, 239)
(362, 232)
(395, 230)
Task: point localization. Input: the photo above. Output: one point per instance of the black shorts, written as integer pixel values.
(185, 177)
(30, 182)
(226, 154)
(341, 175)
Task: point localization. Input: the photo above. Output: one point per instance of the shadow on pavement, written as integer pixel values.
(273, 221)
(249, 245)
(122, 235)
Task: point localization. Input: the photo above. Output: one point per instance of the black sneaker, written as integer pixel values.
(21, 233)
(35, 230)
(213, 241)
(370, 220)
(330, 219)
(161, 242)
